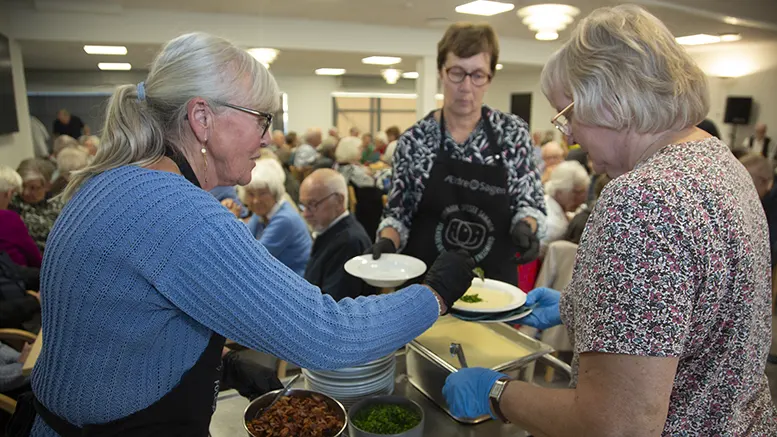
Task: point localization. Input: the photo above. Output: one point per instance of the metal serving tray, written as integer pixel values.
(427, 371)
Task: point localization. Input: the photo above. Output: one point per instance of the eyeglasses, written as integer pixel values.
(458, 74)
(561, 121)
(312, 206)
(264, 118)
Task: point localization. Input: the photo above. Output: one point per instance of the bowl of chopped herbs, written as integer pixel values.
(382, 416)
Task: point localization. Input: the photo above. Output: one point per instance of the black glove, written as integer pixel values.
(451, 276)
(384, 245)
(527, 242)
(242, 371)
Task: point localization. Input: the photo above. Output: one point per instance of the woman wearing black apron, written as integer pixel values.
(465, 176)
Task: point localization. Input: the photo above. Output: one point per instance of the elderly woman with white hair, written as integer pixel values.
(34, 203)
(565, 190)
(69, 160)
(275, 222)
(669, 306)
(146, 273)
(348, 156)
(15, 239)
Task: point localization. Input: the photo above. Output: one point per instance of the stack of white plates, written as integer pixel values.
(353, 384)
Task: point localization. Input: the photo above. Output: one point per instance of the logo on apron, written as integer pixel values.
(465, 227)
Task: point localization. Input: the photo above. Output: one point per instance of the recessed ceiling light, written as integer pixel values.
(381, 60)
(699, 39)
(114, 66)
(410, 75)
(330, 71)
(730, 37)
(546, 36)
(485, 8)
(499, 66)
(391, 75)
(264, 55)
(105, 50)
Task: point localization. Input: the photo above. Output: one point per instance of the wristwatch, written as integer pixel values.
(495, 395)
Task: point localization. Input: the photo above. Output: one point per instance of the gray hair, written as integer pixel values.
(72, 159)
(268, 174)
(312, 133)
(62, 142)
(349, 150)
(381, 137)
(139, 126)
(335, 183)
(9, 179)
(566, 177)
(36, 168)
(624, 70)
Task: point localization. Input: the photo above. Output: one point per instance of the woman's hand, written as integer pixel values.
(232, 206)
(546, 313)
(466, 391)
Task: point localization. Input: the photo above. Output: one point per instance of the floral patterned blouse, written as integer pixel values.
(417, 149)
(39, 218)
(674, 262)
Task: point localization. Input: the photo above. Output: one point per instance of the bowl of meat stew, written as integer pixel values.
(300, 413)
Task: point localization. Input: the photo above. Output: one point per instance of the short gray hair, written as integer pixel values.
(62, 142)
(349, 149)
(382, 137)
(268, 174)
(72, 159)
(9, 179)
(139, 126)
(566, 177)
(312, 133)
(624, 70)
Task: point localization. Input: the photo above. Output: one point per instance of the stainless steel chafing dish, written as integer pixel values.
(496, 346)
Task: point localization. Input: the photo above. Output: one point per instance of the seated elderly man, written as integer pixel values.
(565, 190)
(323, 197)
(305, 155)
(274, 222)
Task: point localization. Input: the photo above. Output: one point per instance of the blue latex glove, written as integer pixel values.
(546, 314)
(466, 391)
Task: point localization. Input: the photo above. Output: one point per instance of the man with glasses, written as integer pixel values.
(466, 176)
(339, 237)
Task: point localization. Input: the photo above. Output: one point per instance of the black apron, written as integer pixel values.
(466, 206)
(185, 410)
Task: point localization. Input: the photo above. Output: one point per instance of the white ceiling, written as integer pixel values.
(683, 17)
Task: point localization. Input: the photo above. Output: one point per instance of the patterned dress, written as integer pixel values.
(39, 218)
(674, 262)
(418, 147)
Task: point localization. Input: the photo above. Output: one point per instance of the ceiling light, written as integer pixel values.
(105, 50)
(548, 19)
(499, 67)
(264, 55)
(484, 7)
(699, 39)
(114, 66)
(730, 37)
(381, 60)
(731, 20)
(391, 75)
(410, 75)
(330, 71)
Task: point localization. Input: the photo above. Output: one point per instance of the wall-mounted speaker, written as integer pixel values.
(738, 110)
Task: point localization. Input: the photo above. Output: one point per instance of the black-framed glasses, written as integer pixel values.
(458, 74)
(264, 118)
(313, 205)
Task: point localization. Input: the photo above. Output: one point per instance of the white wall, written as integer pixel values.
(17, 146)
(503, 86)
(761, 86)
(309, 100)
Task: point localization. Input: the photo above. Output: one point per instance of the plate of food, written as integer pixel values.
(390, 270)
(490, 296)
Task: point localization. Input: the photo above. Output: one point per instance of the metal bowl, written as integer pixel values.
(417, 431)
(262, 401)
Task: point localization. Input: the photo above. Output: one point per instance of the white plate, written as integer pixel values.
(391, 270)
(499, 297)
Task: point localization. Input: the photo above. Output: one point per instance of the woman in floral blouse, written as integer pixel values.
(465, 177)
(669, 307)
(33, 204)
